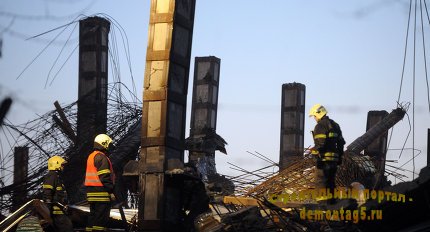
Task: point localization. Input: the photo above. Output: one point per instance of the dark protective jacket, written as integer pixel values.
(328, 140)
(54, 191)
(99, 168)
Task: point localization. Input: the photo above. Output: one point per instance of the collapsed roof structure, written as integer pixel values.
(355, 166)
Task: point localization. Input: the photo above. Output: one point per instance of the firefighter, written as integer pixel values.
(99, 183)
(55, 196)
(328, 148)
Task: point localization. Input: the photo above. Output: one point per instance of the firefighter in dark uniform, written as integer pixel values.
(328, 148)
(99, 183)
(55, 196)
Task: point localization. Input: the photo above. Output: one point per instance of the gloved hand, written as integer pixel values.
(66, 209)
(311, 151)
(112, 197)
(48, 203)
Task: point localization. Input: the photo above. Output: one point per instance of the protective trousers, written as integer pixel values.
(326, 175)
(62, 223)
(99, 216)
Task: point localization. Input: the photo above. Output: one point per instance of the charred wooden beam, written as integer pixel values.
(92, 99)
(64, 124)
(377, 150)
(203, 140)
(292, 123)
(126, 149)
(428, 147)
(4, 108)
(63, 128)
(93, 78)
(20, 173)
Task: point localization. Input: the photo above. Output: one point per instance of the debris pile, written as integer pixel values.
(46, 138)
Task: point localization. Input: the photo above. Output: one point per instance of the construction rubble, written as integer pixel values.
(157, 190)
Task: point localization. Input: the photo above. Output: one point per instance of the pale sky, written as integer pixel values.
(349, 54)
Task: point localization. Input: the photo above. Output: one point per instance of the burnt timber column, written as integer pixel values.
(20, 172)
(377, 150)
(204, 110)
(93, 77)
(292, 123)
(92, 98)
(164, 110)
(428, 147)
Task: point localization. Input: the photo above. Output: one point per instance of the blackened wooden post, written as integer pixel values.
(292, 123)
(92, 99)
(164, 110)
(4, 108)
(428, 147)
(64, 123)
(93, 78)
(377, 150)
(20, 172)
(204, 110)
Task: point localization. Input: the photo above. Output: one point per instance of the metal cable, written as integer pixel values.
(406, 48)
(413, 90)
(425, 58)
(59, 54)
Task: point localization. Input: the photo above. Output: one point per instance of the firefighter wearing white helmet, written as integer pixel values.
(54, 194)
(99, 183)
(328, 147)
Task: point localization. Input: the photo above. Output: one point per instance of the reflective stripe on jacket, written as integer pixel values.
(54, 191)
(328, 140)
(92, 174)
(330, 156)
(99, 177)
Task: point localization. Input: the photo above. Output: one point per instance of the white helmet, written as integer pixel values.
(103, 142)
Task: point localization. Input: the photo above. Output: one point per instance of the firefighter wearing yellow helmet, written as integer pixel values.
(328, 147)
(55, 163)
(54, 194)
(99, 183)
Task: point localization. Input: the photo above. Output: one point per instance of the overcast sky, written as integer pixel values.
(349, 54)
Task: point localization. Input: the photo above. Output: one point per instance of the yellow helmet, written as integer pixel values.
(103, 142)
(55, 163)
(318, 111)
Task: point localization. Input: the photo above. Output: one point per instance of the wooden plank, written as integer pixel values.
(64, 128)
(249, 201)
(64, 120)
